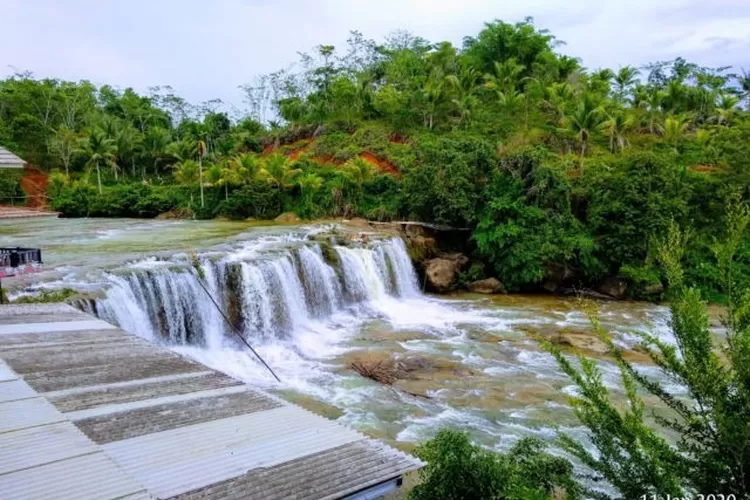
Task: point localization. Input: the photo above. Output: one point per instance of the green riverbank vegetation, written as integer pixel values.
(556, 168)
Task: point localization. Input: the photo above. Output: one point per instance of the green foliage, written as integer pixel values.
(129, 200)
(456, 469)
(446, 183)
(527, 224)
(256, 199)
(47, 296)
(631, 201)
(711, 422)
(10, 187)
(553, 166)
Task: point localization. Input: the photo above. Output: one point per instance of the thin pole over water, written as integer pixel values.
(234, 330)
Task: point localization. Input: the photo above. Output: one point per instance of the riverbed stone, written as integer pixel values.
(580, 341)
(287, 218)
(614, 287)
(442, 271)
(653, 288)
(489, 286)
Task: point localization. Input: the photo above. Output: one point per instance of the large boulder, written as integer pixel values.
(287, 218)
(614, 287)
(442, 271)
(655, 288)
(488, 286)
(580, 341)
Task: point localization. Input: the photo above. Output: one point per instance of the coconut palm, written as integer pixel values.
(744, 81)
(583, 121)
(277, 171)
(726, 109)
(507, 75)
(127, 142)
(357, 171)
(674, 128)
(246, 166)
(156, 143)
(186, 172)
(100, 150)
(309, 183)
(617, 127)
(626, 77)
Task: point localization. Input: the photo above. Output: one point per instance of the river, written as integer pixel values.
(311, 309)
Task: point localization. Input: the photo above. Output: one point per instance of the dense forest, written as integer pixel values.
(556, 168)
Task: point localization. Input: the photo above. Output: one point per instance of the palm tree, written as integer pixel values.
(652, 104)
(744, 81)
(278, 172)
(247, 166)
(309, 183)
(99, 149)
(726, 109)
(156, 143)
(507, 75)
(674, 128)
(617, 126)
(127, 141)
(186, 172)
(464, 85)
(357, 171)
(585, 120)
(432, 94)
(624, 79)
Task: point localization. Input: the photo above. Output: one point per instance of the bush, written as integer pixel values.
(78, 199)
(256, 199)
(10, 187)
(458, 470)
(446, 183)
(710, 422)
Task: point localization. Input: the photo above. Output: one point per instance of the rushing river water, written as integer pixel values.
(311, 308)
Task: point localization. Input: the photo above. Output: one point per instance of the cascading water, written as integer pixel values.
(269, 297)
(311, 309)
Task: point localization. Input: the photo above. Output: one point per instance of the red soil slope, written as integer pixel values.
(34, 184)
(379, 163)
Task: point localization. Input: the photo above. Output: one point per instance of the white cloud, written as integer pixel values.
(207, 49)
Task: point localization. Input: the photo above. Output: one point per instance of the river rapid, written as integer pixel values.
(311, 307)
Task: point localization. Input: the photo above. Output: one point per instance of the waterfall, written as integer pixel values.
(268, 297)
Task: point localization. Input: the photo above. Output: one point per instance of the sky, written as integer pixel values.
(206, 49)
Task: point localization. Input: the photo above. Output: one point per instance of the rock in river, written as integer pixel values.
(488, 286)
(442, 271)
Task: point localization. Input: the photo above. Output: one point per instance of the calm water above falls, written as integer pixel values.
(310, 309)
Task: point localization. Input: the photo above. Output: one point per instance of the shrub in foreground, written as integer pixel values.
(457, 469)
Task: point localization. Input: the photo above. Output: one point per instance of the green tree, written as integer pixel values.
(65, 144)
(618, 126)
(712, 423)
(584, 121)
(278, 171)
(100, 150)
(458, 470)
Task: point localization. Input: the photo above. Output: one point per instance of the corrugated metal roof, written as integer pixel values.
(17, 415)
(92, 476)
(40, 445)
(6, 373)
(224, 449)
(14, 390)
(165, 421)
(8, 159)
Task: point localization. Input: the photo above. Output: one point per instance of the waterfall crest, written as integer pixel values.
(267, 297)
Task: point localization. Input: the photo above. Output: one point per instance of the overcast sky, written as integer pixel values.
(205, 49)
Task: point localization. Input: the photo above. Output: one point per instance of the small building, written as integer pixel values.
(9, 160)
